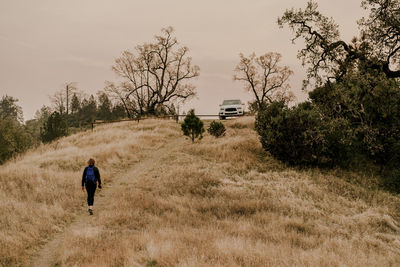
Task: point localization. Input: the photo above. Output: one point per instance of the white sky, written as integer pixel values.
(46, 43)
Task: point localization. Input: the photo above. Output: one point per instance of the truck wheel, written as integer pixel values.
(222, 117)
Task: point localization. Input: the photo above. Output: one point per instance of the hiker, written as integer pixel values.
(90, 177)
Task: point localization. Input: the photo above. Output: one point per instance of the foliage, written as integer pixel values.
(32, 127)
(370, 102)
(329, 58)
(381, 34)
(391, 172)
(86, 110)
(357, 83)
(55, 127)
(75, 104)
(10, 110)
(252, 107)
(89, 109)
(216, 129)
(118, 112)
(355, 119)
(192, 126)
(264, 78)
(104, 108)
(80, 110)
(13, 139)
(154, 76)
(299, 135)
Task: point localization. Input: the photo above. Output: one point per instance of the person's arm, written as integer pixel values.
(84, 178)
(97, 173)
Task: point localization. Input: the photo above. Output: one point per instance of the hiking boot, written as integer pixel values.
(90, 212)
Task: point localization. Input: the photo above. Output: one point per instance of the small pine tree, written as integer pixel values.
(216, 129)
(192, 126)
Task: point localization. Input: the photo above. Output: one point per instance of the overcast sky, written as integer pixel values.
(46, 43)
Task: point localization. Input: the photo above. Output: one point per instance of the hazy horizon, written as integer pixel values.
(45, 44)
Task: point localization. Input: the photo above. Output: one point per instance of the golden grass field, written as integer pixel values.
(168, 202)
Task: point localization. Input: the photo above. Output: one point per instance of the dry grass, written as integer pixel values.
(40, 191)
(218, 202)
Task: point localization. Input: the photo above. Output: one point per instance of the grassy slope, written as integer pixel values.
(169, 202)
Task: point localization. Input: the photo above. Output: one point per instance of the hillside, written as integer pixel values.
(168, 202)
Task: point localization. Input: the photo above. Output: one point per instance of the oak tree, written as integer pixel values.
(265, 78)
(329, 58)
(154, 75)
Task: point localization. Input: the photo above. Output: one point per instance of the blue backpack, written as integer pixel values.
(90, 174)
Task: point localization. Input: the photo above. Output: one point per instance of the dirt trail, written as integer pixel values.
(47, 255)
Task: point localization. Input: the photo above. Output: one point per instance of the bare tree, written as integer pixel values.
(122, 95)
(154, 76)
(61, 98)
(264, 78)
(58, 101)
(69, 89)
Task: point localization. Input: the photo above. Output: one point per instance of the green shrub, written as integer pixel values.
(370, 102)
(192, 126)
(216, 129)
(288, 136)
(300, 136)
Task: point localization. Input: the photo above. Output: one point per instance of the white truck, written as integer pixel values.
(231, 108)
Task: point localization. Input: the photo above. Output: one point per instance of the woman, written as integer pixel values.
(90, 177)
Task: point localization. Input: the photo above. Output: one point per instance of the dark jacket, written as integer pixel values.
(96, 176)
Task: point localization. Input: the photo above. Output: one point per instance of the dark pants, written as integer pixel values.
(91, 189)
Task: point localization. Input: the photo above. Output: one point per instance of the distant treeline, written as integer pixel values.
(49, 123)
(153, 80)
